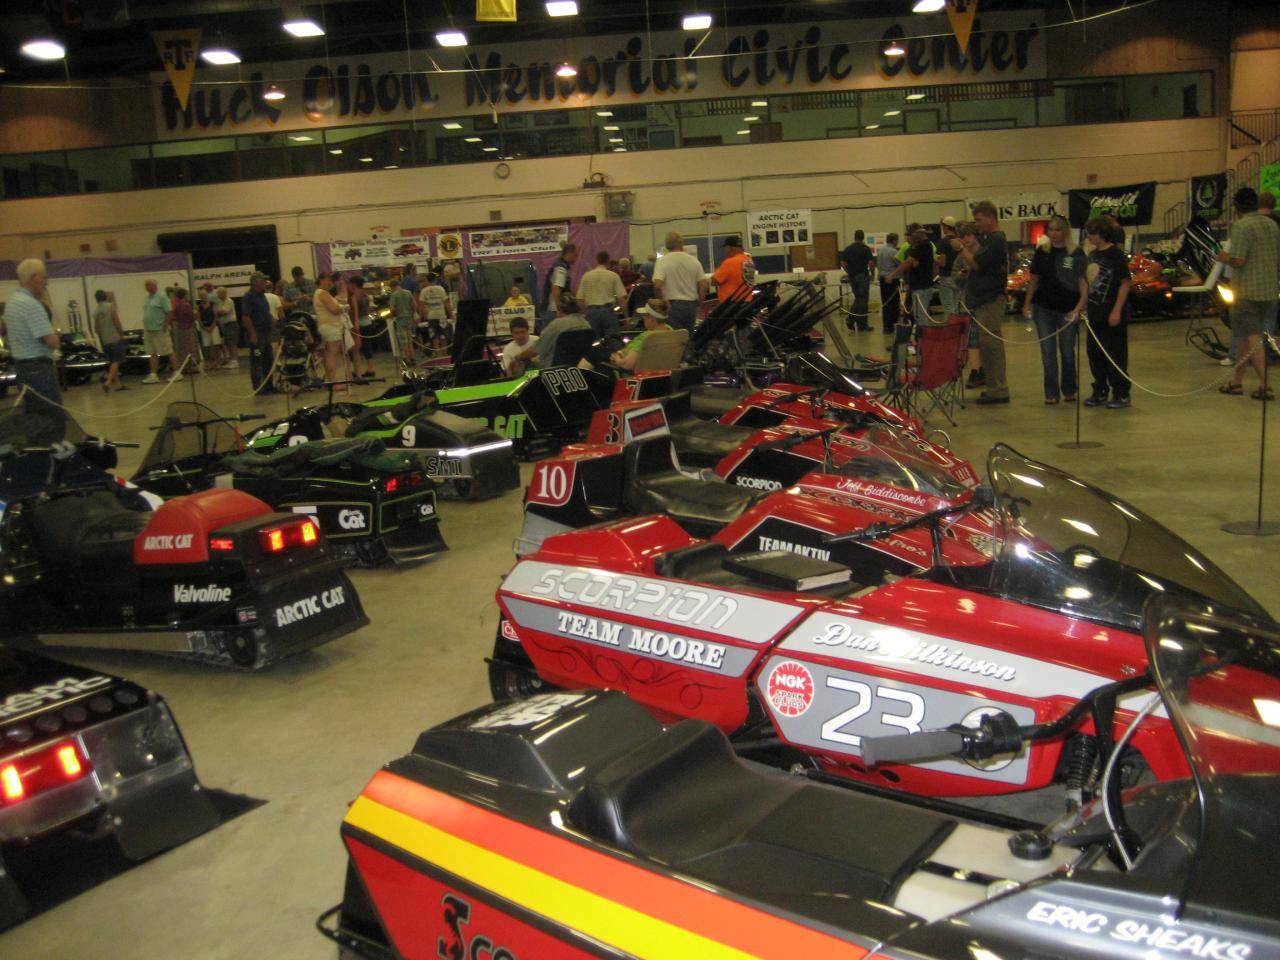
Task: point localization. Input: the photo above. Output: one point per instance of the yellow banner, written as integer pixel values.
(502, 11)
(178, 49)
(961, 13)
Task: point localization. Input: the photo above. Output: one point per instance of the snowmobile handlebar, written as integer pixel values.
(786, 443)
(238, 418)
(65, 448)
(982, 498)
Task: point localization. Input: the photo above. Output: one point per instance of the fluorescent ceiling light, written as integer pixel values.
(697, 21)
(304, 27)
(566, 70)
(490, 149)
(604, 113)
(895, 49)
(759, 103)
(336, 151)
(219, 56)
(44, 49)
(451, 38)
(391, 166)
(873, 126)
(452, 125)
(892, 113)
(743, 133)
(273, 93)
(612, 126)
(916, 96)
(562, 8)
(473, 139)
(619, 149)
(928, 6)
(300, 138)
(366, 159)
(616, 140)
(751, 119)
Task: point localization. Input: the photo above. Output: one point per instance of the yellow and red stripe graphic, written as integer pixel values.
(605, 898)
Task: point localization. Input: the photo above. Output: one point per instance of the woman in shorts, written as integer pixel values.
(330, 317)
(210, 335)
(106, 324)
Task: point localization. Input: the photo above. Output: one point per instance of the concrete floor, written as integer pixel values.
(307, 734)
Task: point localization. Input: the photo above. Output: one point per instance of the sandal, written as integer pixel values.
(1232, 389)
(1263, 393)
(1050, 401)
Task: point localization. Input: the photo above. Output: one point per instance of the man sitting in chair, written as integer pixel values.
(655, 318)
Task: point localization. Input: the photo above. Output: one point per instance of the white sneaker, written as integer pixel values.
(151, 378)
(1226, 362)
(233, 365)
(175, 378)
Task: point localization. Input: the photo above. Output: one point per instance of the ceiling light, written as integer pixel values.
(452, 125)
(894, 49)
(273, 93)
(604, 113)
(44, 49)
(391, 166)
(473, 139)
(916, 96)
(219, 56)
(300, 138)
(873, 126)
(616, 140)
(566, 70)
(336, 151)
(366, 159)
(743, 133)
(612, 126)
(751, 119)
(928, 6)
(759, 103)
(451, 38)
(562, 8)
(490, 149)
(892, 113)
(304, 27)
(697, 21)
(619, 149)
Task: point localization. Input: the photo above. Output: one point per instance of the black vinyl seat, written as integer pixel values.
(653, 484)
(382, 417)
(712, 403)
(87, 533)
(704, 443)
(297, 460)
(683, 799)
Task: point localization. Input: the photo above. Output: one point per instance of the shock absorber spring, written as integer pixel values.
(1079, 764)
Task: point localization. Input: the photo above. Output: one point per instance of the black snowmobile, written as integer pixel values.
(372, 504)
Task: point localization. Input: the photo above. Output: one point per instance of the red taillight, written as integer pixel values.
(403, 481)
(392, 484)
(11, 783)
(301, 533)
(42, 769)
(222, 543)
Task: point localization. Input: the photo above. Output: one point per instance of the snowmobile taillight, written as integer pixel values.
(41, 770)
(222, 544)
(403, 481)
(304, 533)
(392, 484)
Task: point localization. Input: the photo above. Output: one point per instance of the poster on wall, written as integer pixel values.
(779, 228)
(500, 319)
(449, 246)
(235, 279)
(509, 241)
(1209, 196)
(348, 254)
(1025, 206)
(1132, 205)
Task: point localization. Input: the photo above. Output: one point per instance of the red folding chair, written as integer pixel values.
(939, 376)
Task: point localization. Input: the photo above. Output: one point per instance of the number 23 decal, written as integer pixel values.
(866, 702)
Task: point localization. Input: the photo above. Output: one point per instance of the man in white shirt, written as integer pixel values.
(514, 359)
(601, 296)
(679, 279)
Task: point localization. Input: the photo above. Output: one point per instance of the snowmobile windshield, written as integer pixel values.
(888, 457)
(20, 427)
(189, 430)
(1218, 673)
(1071, 547)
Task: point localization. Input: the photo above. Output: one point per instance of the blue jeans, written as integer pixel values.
(682, 314)
(948, 294)
(861, 288)
(260, 359)
(1049, 322)
(48, 422)
(920, 301)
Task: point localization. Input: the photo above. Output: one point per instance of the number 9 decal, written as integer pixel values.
(409, 435)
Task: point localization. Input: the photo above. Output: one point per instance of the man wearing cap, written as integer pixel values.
(256, 311)
(945, 261)
(1254, 254)
(654, 314)
(736, 275)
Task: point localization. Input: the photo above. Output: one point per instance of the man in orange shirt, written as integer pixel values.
(735, 272)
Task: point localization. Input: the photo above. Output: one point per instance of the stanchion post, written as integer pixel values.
(1077, 443)
(1258, 527)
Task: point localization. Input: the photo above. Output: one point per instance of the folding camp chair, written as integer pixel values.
(895, 373)
(939, 375)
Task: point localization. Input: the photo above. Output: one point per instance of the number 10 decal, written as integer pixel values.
(551, 484)
(910, 721)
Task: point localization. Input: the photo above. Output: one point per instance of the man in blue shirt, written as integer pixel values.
(299, 293)
(155, 332)
(886, 263)
(32, 341)
(257, 324)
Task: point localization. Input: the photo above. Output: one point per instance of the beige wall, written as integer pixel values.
(868, 183)
(33, 119)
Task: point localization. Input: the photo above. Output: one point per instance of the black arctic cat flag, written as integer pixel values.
(1131, 204)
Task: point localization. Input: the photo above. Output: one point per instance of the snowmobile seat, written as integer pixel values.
(381, 417)
(685, 800)
(84, 533)
(295, 461)
(704, 443)
(706, 563)
(712, 403)
(654, 484)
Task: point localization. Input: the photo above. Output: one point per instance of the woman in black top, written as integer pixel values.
(1056, 294)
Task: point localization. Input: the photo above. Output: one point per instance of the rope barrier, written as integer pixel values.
(102, 416)
(997, 336)
(266, 382)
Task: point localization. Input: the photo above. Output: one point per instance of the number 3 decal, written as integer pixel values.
(910, 721)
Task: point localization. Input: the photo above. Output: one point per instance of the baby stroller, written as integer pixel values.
(298, 366)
